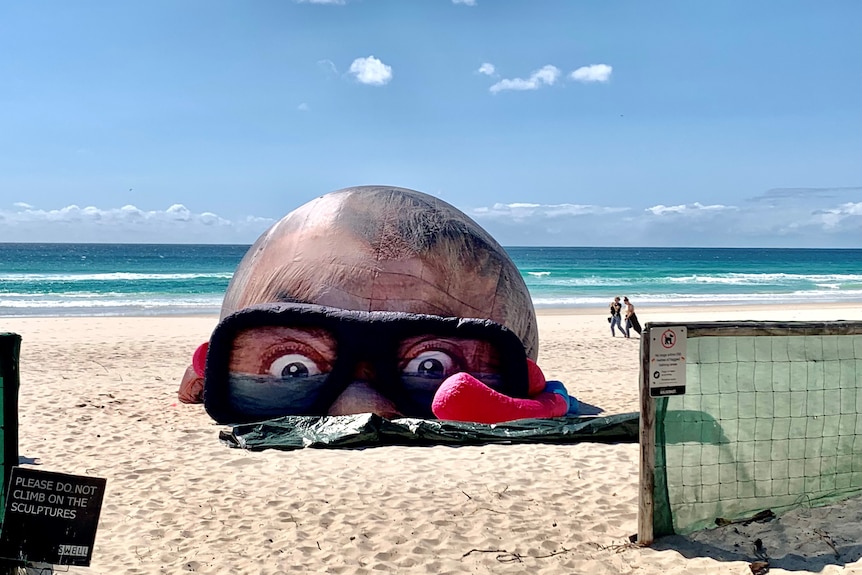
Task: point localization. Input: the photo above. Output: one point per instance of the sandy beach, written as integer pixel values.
(98, 397)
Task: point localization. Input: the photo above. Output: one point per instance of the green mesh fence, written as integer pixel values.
(771, 419)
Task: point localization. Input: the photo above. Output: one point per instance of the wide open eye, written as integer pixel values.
(432, 363)
(283, 352)
(293, 366)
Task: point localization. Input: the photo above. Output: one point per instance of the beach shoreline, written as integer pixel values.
(98, 397)
(826, 309)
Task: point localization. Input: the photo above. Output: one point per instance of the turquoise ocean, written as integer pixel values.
(164, 279)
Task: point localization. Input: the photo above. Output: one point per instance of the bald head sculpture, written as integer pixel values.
(390, 249)
(377, 248)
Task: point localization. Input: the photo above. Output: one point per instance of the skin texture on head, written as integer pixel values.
(375, 248)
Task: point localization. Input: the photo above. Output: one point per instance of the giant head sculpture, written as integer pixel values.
(366, 300)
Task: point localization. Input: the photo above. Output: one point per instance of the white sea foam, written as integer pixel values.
(760, 279)
(678, 299)
(65, 295)
(732, 279)
(108, 311)
(546, 281)
(50, 303)
(113, 276)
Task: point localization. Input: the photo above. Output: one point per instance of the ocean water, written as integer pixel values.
(138, 279)
(690, 276)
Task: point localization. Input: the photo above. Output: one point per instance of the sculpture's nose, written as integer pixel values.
(360, 397)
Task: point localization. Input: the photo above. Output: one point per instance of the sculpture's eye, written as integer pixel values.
(293, 365)
(432, 363)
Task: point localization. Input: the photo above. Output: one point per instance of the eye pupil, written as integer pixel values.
(431, 366)
(295, 369)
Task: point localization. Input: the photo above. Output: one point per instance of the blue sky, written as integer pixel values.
(553, 122)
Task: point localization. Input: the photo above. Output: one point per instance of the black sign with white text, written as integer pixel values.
(51, 517)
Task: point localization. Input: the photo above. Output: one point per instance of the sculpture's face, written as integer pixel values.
(376, 249)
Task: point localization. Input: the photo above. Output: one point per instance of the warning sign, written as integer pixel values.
(667, 361)
(51, 517)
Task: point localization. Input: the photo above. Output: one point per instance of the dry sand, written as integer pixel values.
(98, 398)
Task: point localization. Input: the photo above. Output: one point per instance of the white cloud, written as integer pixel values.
(371, 71)
(832, 218)
(465, 2)
(210, 219)
(520, 211)
(178, 212)
(487, 69)
(593, 73)
(328, 67)
(303, 107)
(695, 208)
(546, 75)
(129, 212)
(176, 224)
(851, 209)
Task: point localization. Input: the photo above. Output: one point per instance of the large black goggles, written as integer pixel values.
(272, 360)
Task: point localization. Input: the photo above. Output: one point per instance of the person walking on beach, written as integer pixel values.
(631, 318)
(616, 317)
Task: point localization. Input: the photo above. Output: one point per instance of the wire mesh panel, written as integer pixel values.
(770, 420)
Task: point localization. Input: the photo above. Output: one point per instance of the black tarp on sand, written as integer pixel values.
(368, 430)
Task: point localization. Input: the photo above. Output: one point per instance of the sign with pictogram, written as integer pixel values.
(667, 361)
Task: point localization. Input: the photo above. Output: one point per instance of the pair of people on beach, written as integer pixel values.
(616, 318)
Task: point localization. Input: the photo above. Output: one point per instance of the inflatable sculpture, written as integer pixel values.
(375, 299)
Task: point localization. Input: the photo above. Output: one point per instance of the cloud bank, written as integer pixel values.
(126, 224)
(827, 218)
(810, 217)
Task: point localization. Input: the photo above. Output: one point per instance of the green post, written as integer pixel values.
(10, 346)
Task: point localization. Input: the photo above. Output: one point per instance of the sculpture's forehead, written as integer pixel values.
(330, 265)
